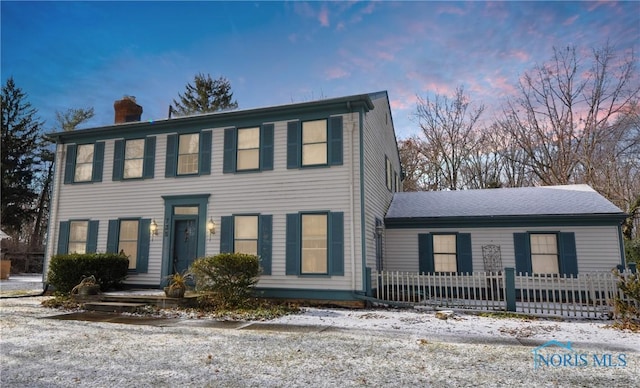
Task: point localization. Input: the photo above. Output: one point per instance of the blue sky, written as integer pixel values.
(80, 54)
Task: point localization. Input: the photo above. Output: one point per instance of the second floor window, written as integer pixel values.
(133, 158)
(84, 163)
(248, 157)
(314, 142)
(188, 149)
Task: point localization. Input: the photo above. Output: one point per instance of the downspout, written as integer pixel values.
(352, 213)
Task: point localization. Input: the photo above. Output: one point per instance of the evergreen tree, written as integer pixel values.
(20, 161)
(205, 96)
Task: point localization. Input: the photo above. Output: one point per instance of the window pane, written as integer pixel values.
(188, 164)
(246, 227)
(189, 144)
(314, 131)
(77, 247)
(544, 243)
(248, 159)
(85, 154)
(128, 230)
(249, 247)
(248, 138)
(83, 172)
(544, 264)
(130, 249)
(544, 253)
(445, 262)
(314, 154)
(78, 231)
(134, 149)
(314, 243)
(444, 243)
(133, 168)
(185, 210)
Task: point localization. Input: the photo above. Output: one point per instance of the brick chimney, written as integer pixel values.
(127, 110)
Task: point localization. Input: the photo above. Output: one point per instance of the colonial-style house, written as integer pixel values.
(309, 188)
(305, 186)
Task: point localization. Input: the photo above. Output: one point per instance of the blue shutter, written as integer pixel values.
(336, 244)
(92, 237)
(265, 241)
(226, 234)
(292, 265)
(463, 248)
(568, 254)
(172, 156)
(144, 239)
(63, 238)
(70, 163)
(205, 153)
(98, 162)
(266, 147)
(522, 249)
(148, 168)
(113, 236)
(335, 140)
(425, 253)
(118, 160)
(293, 144)
(229, 155)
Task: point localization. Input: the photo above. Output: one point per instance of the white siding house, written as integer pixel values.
(284, 182)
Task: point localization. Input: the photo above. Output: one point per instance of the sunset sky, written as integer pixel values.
(89, 54)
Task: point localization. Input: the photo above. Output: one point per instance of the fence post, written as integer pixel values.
(510, 288)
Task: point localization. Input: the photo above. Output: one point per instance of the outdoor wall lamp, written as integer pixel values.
(211, 227)
(379, 230)
(153, 228)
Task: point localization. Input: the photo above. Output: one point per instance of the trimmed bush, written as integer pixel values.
(66, 271)
(632, 251)
(627, 308)
(229, 278)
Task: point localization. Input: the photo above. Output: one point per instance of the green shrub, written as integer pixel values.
(66, 271)
(228, 278)
(627, 308)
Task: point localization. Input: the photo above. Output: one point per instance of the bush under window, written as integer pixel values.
(66, 271)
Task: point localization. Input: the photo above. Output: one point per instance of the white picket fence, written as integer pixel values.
(585, 296)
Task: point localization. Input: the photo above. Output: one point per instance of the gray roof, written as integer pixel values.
(523, 201)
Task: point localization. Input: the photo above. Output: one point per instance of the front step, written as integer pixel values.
(114, 307)
(159, 301)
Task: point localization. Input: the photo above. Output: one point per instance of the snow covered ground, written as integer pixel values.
(340, 348)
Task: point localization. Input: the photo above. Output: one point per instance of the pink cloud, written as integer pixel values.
(336, 73)
(323, 17)
(451, 10)
(571, 20)
(387, 56)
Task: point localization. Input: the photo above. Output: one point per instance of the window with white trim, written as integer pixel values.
(544, 253)
(78, 232)
(444, 253)
(314, 142)
(128, 240)
(314, 244)
(188, 151)
(133, 158)
(245, 234)
(248, 157)
(84, 163)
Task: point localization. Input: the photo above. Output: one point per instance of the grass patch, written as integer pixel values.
(508, 315)
(253, 309)
(61, 302)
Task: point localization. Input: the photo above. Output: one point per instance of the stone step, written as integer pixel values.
(114, 307)
(159, 301)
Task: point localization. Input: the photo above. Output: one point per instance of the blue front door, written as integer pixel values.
(185, 238)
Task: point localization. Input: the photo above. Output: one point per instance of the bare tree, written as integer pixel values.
(449, 127)
(414, 164)
(71, 118)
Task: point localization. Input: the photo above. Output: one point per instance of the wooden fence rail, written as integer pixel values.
(587, 295)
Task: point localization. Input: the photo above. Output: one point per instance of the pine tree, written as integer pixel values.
(205, 96)
(20, 162)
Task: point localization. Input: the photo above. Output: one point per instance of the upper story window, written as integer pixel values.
(544, 253)
(134, 158)
(248, 157)
(188, 154)
(314, 143)
(248, 149)
(188, 151)
(84, 163)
